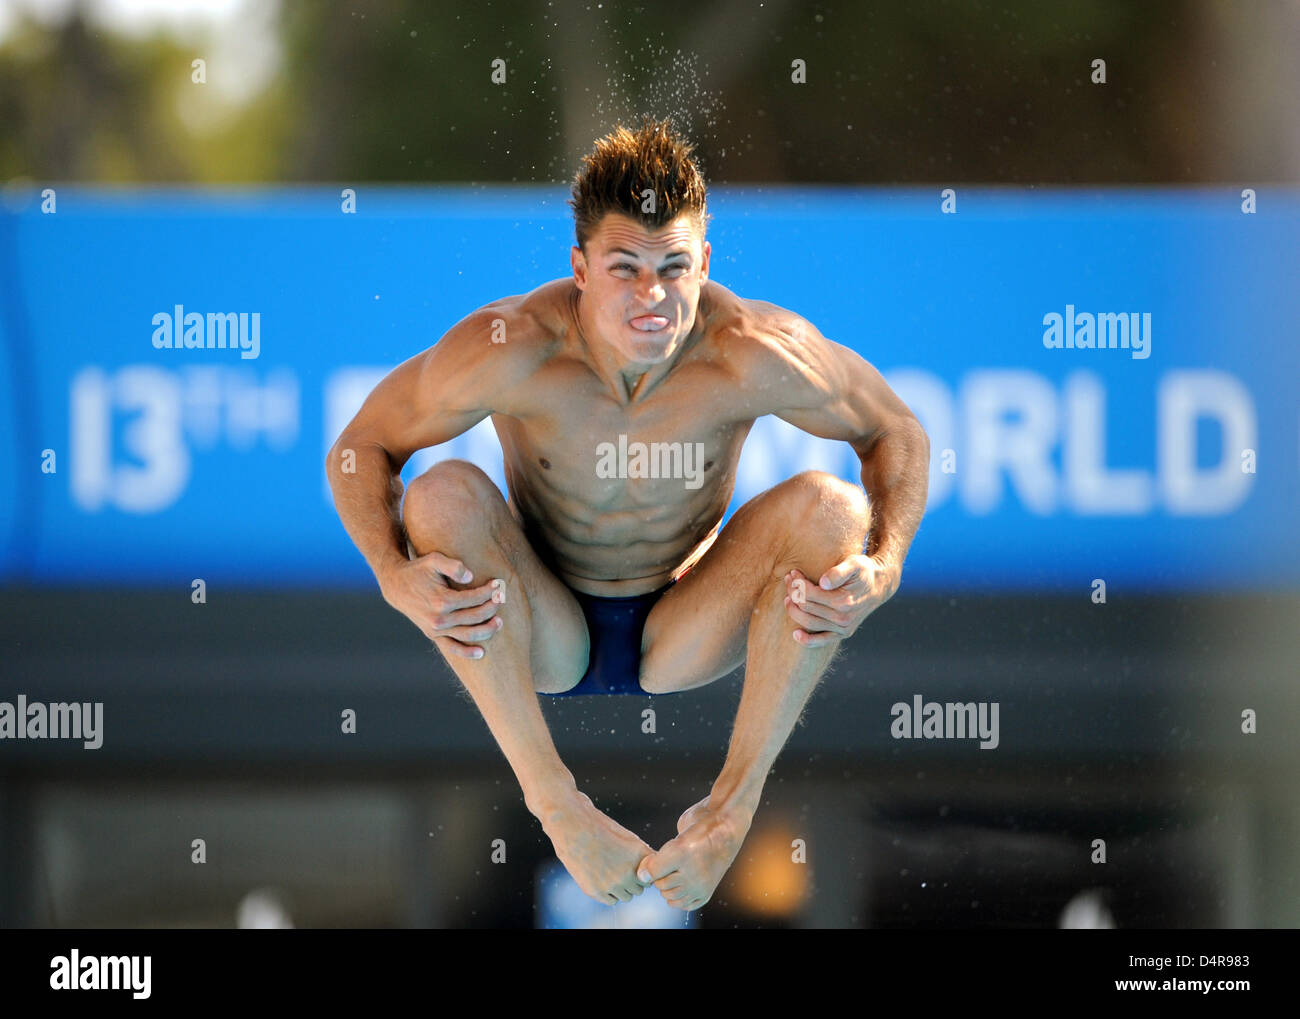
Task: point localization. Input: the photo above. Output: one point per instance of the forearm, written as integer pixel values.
(368, 498)
(896, 476)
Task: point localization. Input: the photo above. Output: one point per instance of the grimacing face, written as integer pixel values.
(641, 288)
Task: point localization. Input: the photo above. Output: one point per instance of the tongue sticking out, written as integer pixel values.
(650, 323)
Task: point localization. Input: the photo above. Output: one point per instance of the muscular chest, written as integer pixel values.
(668, 451)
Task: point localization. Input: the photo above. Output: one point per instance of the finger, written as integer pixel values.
(803, 591)
(622, 894)
(454, 647)
(839, 574)
(670, 884)
(797, 585)
(461, 598)
(471, 616)
(815, 639)
(479, 634)
(832, 614)
(814, 624)
(451, 568)
(838, 599)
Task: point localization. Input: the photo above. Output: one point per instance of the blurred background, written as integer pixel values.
(1109, 555)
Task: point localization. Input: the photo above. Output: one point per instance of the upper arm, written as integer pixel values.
(443, 392)
(829, 390)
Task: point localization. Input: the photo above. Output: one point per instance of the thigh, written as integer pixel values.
(560, 644)
(698, 631)
(456, 509)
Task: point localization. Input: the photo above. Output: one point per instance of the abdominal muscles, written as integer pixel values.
(617, 528)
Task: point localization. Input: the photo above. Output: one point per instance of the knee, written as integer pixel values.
(452, 494)
(828, 512)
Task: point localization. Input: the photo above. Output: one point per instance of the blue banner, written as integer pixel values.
(1108, 378)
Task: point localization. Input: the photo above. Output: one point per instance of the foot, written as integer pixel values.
(599, 853)
(687, 869)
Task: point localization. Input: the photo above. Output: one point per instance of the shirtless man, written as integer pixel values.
(606, 571)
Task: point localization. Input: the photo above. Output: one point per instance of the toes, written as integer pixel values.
(657, 866)
(645, 870)
(679, 895)
(685, 899)
(673, 857)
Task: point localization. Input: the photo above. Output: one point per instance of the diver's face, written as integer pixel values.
(641, 287)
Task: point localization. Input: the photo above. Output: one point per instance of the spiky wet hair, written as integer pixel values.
(623, 165)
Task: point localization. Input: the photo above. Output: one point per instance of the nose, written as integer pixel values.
(656, 294)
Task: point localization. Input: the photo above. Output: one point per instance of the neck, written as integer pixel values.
(627, 379)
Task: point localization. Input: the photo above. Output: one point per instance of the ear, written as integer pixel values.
(704, 263)
(578, 262)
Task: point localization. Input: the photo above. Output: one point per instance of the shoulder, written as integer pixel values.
(525, 323)
(764, 342)
(506, 340)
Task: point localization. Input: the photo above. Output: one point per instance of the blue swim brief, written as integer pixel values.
(614, 627)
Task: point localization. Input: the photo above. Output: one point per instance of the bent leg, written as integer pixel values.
(454, 508)
(732, 606)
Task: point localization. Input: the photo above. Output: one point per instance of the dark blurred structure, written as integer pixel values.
(1123, 727)
(398, 90)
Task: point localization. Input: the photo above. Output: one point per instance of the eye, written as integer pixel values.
(676, 270)
(623, 267)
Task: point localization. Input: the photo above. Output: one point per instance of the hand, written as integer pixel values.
(458, 621)
(834, 606)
